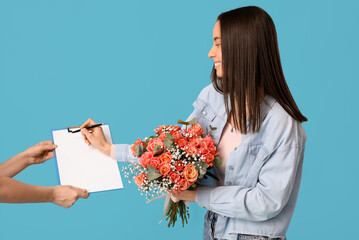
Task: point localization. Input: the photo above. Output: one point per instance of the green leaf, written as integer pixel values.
(192, 121)
(153, 174)
(182, 122)
(217, 161)
(140, 149)
(168, 143)
(157, 148)
(201, 167)
(212, 128)
(169, 136)
(187, 123)
(149, 139)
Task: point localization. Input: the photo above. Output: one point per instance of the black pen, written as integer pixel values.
(89, 127)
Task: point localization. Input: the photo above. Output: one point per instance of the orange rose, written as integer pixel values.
(209, 157)
(195, 142)
(208, 140)
(179, 166)
(174, 177)
(159, 130)
(181, 142)
(162, 136)
(153, 143)
(203, 151)
(140, 179)
(196, 129)
(166, 157)
(212, 149)
(165, 169)
(176, 135)
(144, 159)
(138, 142)
(192, 150)
(175, 128)
(190, 173)
(154, 162)
(183, 184)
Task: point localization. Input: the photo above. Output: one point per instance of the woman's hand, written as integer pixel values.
(185, 196)
(39, 153)
(95, 137)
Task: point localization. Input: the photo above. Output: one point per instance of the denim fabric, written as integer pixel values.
(263, 173)
(210, 221)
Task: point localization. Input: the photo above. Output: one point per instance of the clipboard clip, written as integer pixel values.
(73, 129)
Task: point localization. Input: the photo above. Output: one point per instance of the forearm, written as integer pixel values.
(14, 165)
(12, 191)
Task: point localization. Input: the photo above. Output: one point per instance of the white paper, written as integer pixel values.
(84, 166)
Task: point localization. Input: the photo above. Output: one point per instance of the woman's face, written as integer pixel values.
(216, 51)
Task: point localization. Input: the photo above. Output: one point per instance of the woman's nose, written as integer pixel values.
(211, 53)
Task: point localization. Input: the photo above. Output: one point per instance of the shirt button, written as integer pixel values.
(230, 167)
(235, 148)
(204, 112)
(229, 183)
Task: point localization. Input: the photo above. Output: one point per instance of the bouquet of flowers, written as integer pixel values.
(172, 161)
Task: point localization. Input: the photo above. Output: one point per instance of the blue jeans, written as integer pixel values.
(210, 225)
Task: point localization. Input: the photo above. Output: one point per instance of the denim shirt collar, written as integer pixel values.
(266, 106)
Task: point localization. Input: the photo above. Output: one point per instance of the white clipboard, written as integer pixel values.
(84, 166)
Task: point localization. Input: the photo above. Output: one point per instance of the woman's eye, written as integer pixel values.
(217, 45)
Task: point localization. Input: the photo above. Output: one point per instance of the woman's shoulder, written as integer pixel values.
(208, 93)
(281, 129)
(211, 99)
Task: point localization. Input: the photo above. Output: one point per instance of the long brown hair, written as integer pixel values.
(251, 67)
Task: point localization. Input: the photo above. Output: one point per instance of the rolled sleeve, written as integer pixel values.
(259, 203)
(122, 153)
(203, 196)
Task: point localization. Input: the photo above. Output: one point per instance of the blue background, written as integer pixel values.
(137, 64)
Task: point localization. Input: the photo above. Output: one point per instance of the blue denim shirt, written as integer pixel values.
(263, 173)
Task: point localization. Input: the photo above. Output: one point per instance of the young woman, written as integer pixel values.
(259, 133)
(12, 191)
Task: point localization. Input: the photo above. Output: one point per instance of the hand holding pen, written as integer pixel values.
(95, 138)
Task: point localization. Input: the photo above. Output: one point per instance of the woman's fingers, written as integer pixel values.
(87, 136)
(88, 123)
